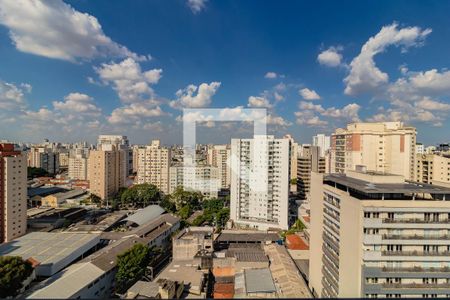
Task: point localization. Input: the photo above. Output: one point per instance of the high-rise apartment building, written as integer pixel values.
(218, 156)
(308, 161)
(420, 148)
(260, 182)
(205, 179)
(78, 167)
(45, 158)
(13, 193)
(323, 142)
(433, 169)
(377, 235)
(121, 143)
(384, 147)
(153, 165)
(106, 171)
(294, 151)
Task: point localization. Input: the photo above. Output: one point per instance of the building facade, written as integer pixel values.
(384, 147)
(78, 167)
(153, 166)
(106, 171)
(260, 182)
(218, 156)
(44, 158)
(376, 235)
(323, 142)
(308, 161)
(205, 179)
(13, 193)
(433, 169)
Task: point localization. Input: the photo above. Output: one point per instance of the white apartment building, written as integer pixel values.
(260, 182)
(323, 141)
(376, 235)
(78, 167)
(218, 156)
(153, 165)
(384, 147)
(420, 148)
(120, 142)
(13, 193)
(205, 179)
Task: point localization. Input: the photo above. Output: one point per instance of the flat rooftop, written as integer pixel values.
(185, 271)
(246, 236)
(259, 281)
(367, 187)
(53, 250)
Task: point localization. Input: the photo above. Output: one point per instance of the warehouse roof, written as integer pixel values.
(244, 236)
(53, 250)
(144, 215)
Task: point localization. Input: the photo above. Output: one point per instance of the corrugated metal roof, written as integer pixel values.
(145, 215)
(259, 281)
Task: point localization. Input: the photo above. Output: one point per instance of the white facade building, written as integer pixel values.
(323, 141)
(205, 179)
(260, 182)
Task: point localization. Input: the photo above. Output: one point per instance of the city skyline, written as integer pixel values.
(107, 69)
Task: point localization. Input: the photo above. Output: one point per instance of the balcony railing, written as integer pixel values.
(416, 285)
(416, 253)
(415, 237)
(431, 221)
(416, 269)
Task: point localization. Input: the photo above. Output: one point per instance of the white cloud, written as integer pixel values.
(195, 97)
(431, 81)
(77, 103)
(258, 102)
(277, 121)
(271, 75)
(348, 112)
(308, 94)
(56, 30)
(429, 104)
(128, 80)
(330, 57)
(135, 113)
(197, 5)
(364, 75)
(11, 96)
(308, 118)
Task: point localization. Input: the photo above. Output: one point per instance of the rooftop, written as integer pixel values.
(367, 188)
(185, 271)
(259, 281)
(246, 236)
(53, 250)
(144, 215)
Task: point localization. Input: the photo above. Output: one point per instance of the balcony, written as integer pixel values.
(415, 253)
(416, 285)
(415, 237)
(421, 221)
(416, 269)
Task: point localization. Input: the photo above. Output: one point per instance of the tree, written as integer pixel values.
(293, 181)
(181, 198)
(33, 172)
(185, 212)
(131, 266)
(167, 204)
(141, 195)
(13, 271)
(95, 199)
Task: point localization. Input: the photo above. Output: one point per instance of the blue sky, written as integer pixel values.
(75, 69)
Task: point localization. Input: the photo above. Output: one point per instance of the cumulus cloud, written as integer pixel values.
(54, 29)
(12, 96)
(309, 118)
(309, 113)
(271, 75)
(135, 113)
(277, 121)
(254, 101)
(330, 57)
(128, 80)
(308, 94)
(197, 5)
(195, 96)
(77, 103)
(364, 75)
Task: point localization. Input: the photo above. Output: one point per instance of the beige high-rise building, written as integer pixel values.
(107, 171)
(377, 235)
(218, 156)
(294, 152)
(45, 158)
(78, 167)
(433, 169)
(308, 161)
(384, 147)
(13, 193)
(153, 166)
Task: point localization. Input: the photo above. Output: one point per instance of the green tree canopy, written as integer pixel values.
(181, 198)
(141, 195)
(167, 204)
(13, 271)
(185, 212)
(131, 266)
(33, 172)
